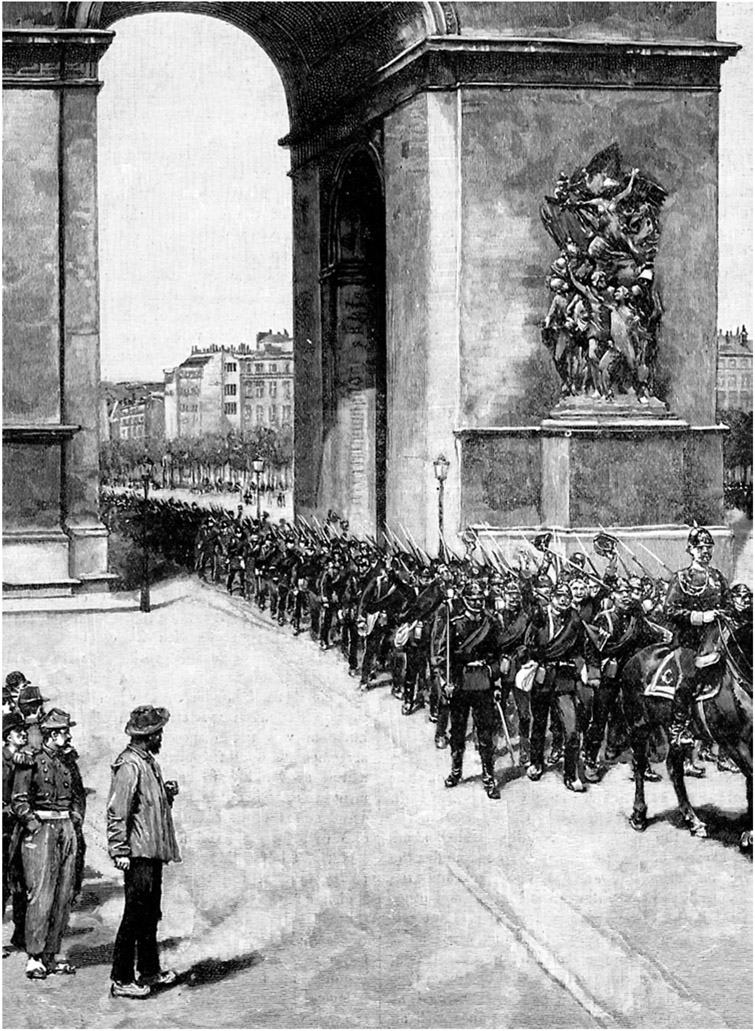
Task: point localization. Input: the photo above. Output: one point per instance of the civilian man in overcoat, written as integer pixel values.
(141, 840)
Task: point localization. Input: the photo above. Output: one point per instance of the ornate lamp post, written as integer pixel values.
(441, 466)
(258, 464)
(145, 470)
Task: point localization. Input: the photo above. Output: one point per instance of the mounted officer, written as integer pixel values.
(697, 597)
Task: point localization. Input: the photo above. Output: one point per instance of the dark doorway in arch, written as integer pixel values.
(354, 355)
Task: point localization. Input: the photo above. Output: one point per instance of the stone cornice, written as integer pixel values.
(38, 433)
(53, 58)
(461, 62)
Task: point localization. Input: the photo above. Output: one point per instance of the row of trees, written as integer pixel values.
(188, 461)
(737, 444)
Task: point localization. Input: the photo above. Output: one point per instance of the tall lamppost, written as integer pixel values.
(145, 468)
(258, 464)
(441, 466)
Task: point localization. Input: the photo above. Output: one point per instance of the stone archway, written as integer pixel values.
(469, 110)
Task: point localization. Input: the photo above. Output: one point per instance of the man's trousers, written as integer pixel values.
(136, 941)
(49, 861)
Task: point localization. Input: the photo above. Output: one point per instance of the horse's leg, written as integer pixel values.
(639, 738)
(675, 764)
(741, 753)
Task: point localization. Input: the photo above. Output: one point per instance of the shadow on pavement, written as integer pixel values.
(96, 895)
(101, 955)
(212, 971)
(723, 826)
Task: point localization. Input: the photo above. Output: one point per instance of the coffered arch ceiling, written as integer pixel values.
(323, 51)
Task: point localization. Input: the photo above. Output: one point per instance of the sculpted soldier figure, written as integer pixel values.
(47, 801)
(469, 667)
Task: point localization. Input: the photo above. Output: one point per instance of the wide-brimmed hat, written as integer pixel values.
(146, 720)
(30, 693)
(12, 721)
(56, 719)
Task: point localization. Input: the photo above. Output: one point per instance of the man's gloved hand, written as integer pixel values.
(122, 862)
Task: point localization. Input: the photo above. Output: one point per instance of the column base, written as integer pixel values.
(35, 563)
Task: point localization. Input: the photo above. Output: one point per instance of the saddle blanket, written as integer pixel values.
(666, 678)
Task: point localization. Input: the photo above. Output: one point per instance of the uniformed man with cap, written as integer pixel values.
(15, 754)
(697, 597)
(557, 641)
(468, 665)
(141, 840)
(47, 802)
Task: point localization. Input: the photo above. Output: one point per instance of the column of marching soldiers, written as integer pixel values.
(463, 633)
(542, 642)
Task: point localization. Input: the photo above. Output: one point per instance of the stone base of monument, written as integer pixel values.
(630, 468)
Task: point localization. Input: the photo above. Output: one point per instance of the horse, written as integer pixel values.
(723, 711)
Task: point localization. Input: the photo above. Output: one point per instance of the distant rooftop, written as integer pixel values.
(734, 343)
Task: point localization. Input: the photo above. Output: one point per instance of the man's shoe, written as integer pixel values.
(491, 789)
(60, 967)
(35, 969)
(650, 776)
(407, 709)
(592, 773)
(575, 785)
(690, 770)
(555, 756)
(705, 755)
(441, 741)
(453, 778)
(535, 771)
(130, 991)
(161, 980)
(727, 765)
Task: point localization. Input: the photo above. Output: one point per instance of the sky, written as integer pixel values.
(195, 203)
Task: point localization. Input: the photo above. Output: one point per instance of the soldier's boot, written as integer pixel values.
(680, 732)
(488, 775)
(457, 758)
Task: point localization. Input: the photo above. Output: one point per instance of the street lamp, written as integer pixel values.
(441, 465)
(258, 464)
(145, 469)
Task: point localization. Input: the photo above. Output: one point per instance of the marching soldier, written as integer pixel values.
(47, 802)
(618, 633)
(513, 618)
(469, 667)
(556, 640)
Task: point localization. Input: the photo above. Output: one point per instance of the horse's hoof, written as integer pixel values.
(745, 842)
(638, 823)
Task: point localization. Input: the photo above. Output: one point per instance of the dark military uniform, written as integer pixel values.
(13, 875)
(47, 799)
(471, 653)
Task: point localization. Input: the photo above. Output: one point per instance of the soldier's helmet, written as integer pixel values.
(473, 596)
(699, 536)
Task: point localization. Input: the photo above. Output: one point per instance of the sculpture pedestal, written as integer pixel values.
(634, 470)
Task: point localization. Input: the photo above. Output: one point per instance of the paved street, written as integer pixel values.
(329, 880)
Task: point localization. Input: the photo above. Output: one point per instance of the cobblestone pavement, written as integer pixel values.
(329, 880)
